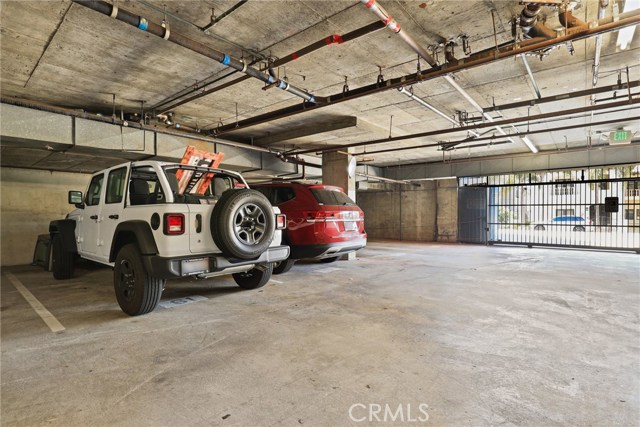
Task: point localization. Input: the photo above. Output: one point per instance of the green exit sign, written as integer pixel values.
(620, 136)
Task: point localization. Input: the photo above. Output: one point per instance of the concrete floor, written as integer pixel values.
(482, 335)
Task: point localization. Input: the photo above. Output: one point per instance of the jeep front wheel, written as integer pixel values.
(137, 292)
(254, 278)
(242, 224)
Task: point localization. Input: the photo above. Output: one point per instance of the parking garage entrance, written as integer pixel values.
(584, 208)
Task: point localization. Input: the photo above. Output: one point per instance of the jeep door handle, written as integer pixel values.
(114, 216)
(94, 217)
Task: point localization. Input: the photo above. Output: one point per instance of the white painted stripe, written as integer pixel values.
(276, 281)
(44, 314)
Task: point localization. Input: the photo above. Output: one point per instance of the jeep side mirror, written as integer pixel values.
(75, 198)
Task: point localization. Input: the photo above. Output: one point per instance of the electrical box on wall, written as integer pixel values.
(611, 204)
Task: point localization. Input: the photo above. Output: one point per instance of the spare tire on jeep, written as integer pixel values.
(242, 223)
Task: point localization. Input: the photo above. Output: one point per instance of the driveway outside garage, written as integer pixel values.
(481, 335)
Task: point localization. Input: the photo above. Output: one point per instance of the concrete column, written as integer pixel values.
(335, 171)
(447, 216)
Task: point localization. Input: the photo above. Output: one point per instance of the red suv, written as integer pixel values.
(322, 221)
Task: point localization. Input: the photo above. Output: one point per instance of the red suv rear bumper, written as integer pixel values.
(327, 250)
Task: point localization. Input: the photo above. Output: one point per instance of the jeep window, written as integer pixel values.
(197, 185)
(93, 193)
(115, 185)
(144, 187)
(331, 197)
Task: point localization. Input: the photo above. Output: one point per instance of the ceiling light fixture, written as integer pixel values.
(625, 35)
(529, 144)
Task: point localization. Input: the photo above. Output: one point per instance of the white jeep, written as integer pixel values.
(152, 221)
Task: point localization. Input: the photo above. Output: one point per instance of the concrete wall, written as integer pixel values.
(30, 199)
(381, 213)
(424, 213)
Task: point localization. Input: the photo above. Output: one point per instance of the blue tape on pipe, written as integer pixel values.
(312, 99)
(226, 60)
(282, 84)
(143, 25)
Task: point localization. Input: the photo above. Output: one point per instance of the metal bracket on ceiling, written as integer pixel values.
(466, 47)
(345, 88)
(543, 2)
(380, 79)
(165, 24)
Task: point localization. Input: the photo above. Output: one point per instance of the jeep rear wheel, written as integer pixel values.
(137, 292)
(254, 278)
(242, 224)
(62, 261)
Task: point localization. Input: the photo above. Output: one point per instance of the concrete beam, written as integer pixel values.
(82, 145)
(572, 159)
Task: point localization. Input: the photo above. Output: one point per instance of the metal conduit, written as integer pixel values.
(177, 38)
(477, 106)
(505, 122)
(596, 60)
(224, 15)
(394, 26)
(531, 77)
(529, 17)
(424, 103)
(475, 60)
(327, 41)
(492, 139)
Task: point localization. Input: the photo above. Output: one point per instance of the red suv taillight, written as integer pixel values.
(281, 222)
(173, 224)
(319, 216)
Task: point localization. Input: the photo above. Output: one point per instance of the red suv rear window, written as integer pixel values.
(331, 197)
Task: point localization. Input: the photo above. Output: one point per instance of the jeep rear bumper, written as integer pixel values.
(205, 264)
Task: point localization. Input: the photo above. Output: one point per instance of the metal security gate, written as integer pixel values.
(472, 214)
(556, 209)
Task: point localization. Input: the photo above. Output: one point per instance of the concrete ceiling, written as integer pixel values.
(67, 55)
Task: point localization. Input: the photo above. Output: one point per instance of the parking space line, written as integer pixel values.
(44, 314)
(276, 281)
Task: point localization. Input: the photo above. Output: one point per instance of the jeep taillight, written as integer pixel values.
(281, 222)
(173, 224)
